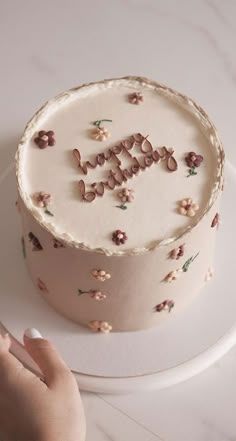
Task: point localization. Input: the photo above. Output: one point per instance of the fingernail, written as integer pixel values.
(32, 333)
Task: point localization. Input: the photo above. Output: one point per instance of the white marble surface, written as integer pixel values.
(52, 45)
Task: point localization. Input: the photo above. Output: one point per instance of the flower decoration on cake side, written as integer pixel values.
(175, 274)
(94, 294)
(100, 133)
(45, 139)
(17, 206)
(100, 326)
(176, 253)
(222, 187)
(216, 221)
(42, 200)
(167, 305)
(41, 285)
(100, 275)
(209, 274)
(58, 244)
(126, 195)
(119, 237)
(23, 247)
(35, 242)
(135, 98)
(188, 208)
(193, 160)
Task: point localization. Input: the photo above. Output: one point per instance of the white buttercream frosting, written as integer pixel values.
(152, 218)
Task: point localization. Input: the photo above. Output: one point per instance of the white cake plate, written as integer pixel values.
(122, 362)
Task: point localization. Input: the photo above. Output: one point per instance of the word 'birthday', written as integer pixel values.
(116, 176)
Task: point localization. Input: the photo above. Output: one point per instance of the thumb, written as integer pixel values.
(46, 357)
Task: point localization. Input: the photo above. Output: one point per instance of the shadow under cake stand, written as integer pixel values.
(174, 351)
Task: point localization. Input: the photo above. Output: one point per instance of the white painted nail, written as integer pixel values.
(32, 333)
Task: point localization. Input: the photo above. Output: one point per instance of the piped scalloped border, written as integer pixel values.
(196, 110)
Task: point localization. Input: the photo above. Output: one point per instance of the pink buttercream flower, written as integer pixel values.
(42, 199)
(18, 206)
(100, 134)
(173, 275)
(176, 253)
(94, 294)
(209, 274)
(35, 242)
(135, 98)
(119, 237)
(188, 208)
(58, 244)
(216, 221)
(45, 139)
(101, 275)
(126, 195)
(167, 305)
(97, 295)
(193, 160)
(41, 285)
(101, 326)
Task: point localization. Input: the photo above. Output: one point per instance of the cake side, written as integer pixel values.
(129, 292)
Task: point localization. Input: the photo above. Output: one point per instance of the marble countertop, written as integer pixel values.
(50, 46)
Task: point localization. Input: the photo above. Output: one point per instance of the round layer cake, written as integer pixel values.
(119, 184)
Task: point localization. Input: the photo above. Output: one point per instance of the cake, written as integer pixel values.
(119, 186)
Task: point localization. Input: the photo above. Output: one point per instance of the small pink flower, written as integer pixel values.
(100, 134)
(105, 327)
(193, 160)
(216, 221)
(97, 295)
(100, 275)
(41, 285)
(35, 242)
(173, 275)
(119, 237)
(126, 195)
(209, 274)
(45, 139)
(176, 253)
(58, 244)
(167, 305)
(94, 294)
(42, 199)
(188, 208)
(101, 326)
(18, 206)
(135, 98)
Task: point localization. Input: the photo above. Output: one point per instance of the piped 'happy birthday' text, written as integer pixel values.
(118, 175)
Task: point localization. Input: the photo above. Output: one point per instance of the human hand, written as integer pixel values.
(36, 410)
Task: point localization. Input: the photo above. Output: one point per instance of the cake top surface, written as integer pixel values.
(119, 166)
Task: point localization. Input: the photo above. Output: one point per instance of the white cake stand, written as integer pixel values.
(122, 362)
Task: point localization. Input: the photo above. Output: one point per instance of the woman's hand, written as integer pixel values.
(33, 410)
